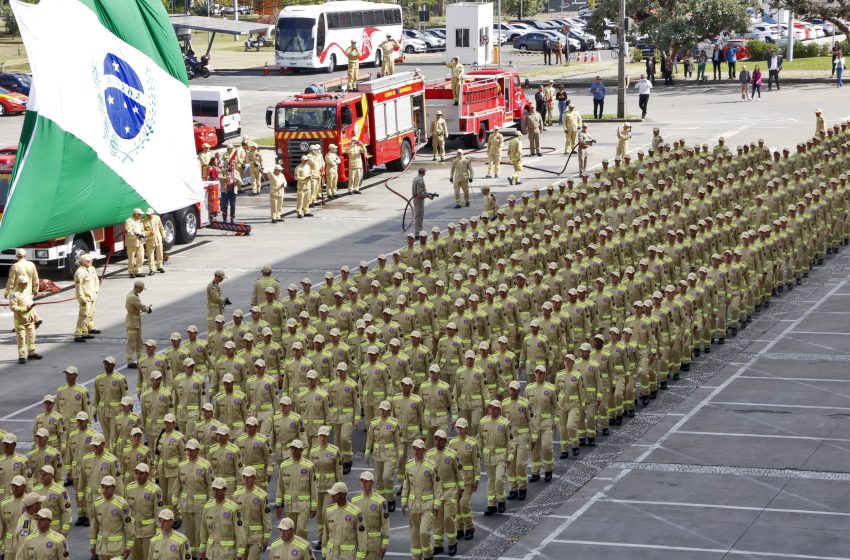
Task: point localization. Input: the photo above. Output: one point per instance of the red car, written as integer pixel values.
(204, 135)
(11, 102)
(7, 158)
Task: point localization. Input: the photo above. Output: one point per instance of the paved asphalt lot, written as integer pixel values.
(741, 458)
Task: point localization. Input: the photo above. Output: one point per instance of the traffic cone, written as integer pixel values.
(266, 69)
(592, 56)
(585, 56)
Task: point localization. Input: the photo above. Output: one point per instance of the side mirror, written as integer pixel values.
(269, 111)
(346, 116)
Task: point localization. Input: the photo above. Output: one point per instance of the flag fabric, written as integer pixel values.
(109, 122)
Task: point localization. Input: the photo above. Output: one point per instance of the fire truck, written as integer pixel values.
(508, 79)
(387, 115)
(63, 253)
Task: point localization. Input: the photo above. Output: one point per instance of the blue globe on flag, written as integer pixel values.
(124, 97)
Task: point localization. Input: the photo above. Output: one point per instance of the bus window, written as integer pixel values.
(356, 19)
(344, 20)
(295, 34)
(320, 34)
(369, 18)
(333, 21)
(380, 17)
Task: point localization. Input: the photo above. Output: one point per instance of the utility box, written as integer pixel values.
(469, 32)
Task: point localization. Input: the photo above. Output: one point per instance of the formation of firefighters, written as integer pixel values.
(548, 319)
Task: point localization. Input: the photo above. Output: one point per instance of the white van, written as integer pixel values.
(219, 108)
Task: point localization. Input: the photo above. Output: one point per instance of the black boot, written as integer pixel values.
(469, 534)
(618, 420)
(522, 494)
(653, 394)
(685, 367)
(591, 442)
(582, 442)
(459, 533)
(178, 523)
(398, 492)
(346, 468)
(491, 510)
(547, 477)
(534, 478)
(707, 350)
(565, 455)
(576, 451)
(79, 522)
(502, 507)
(663, 385)
(644, 400)
(452, 549)
(676, 376)
(631, 413)
(391, 506)
(317, 546)
(605, 431)
(723, 340)
(696, 353)
(438, 550)
(512, 495)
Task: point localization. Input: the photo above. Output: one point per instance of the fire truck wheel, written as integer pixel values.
(404, 159)
(186, 224)
(478, 141)
(78, 248)
(170, 232)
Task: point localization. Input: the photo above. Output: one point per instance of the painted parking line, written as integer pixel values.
(722, 506)
(779, 405)
(761, 436)
(698, 549)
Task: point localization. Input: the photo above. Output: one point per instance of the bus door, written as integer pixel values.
(320, 35)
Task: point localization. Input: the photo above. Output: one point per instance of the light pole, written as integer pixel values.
(621, 62)
(498, 34)
(789, 51)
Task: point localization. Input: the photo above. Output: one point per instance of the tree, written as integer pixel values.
(528, 8)
(836, 12)
(673, 24)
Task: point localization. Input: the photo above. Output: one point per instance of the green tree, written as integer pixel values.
(673, 24)
(523, 8)
(836, 12)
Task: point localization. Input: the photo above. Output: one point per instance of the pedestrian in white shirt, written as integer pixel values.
(643, 86)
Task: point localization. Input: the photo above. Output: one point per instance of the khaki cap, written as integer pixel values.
(107, 480)
(338, 488)
(286, 524)
(461, 423)
(252, 421)
(249, 471)
(143, 467)
(33, 498)
(324, 431)
(44, 513)
(385, 405)
(219, 484)
(367, 475)
(166, 514)
(192, 444)
(296, 443)
(42, 432)
(18, 480)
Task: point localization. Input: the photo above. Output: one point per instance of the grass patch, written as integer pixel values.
(814, 63)
(266, 141)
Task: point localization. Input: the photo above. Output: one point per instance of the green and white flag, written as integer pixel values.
(109, 123)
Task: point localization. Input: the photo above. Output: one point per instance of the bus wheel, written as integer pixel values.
(331, 64)
(186, 223)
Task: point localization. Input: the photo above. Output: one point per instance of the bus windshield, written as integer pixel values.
(312, 117)
(295, 34)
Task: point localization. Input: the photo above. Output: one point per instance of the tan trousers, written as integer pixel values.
(134, 344)
(343, 440)
(302, 204)
(495, 483)
(421, 526)
(534, 141)
(154, 251)
(83, 313)
(332, 180)
(464, 510)
(276, 204)
(461, 186)
(517, 174)
(353, 70)
(300, 518)
(355, 174)
(384, 479)
(518, 466)
(444, 519)
(315, 188)
(569, 428)
(135, 256)
(387, 66)
(439, 145)
(140, 548)
(192, 529)
(494, 164)
(542, 447)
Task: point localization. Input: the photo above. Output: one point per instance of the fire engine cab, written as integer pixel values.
(387, 115)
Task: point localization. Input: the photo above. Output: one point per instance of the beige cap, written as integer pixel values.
(169, 418)
(461, 423)
(252, 421)
(72, 370)
(45, 469)
(107, 480)
(367, 475)
(419, 444)
(207, 406)
(284, 400)
(223, 430)
(286, 524)
(18, 480)
(136, 432)
(227, 378)
(385, 405)
(219, 484)
(166, 514)
(193, 444)
(32, 498)
(44, 513)
(42, 432)
(143, 467)
(156, 374)
(49, 398)
(324, 431)
(249, 471)
(312, 374)
(188, 362)
(496, 404)
(296, 443)
(97, 439)
(338, 488)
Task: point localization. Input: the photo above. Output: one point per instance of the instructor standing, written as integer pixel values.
(418, 200)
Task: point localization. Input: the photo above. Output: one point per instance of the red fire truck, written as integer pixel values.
(386, 114)
(508, 78)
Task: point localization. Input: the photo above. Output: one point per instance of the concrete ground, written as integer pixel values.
(749, 441)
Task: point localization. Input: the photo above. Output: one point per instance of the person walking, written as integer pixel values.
(597, 89)
(836, 50)
(756, 83)
(839, 68)
(744, 81)
(644, 87)
(731, 60)
(774, 66)
(532, 124)
(585, 141)
(701, 60)
(650, 68)
(716, 59)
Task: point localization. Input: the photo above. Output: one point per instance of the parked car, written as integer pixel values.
(432, 43)
(774, 31)
(648, 49)
(7, 158)
(585, 12)
(511, 31)
(827, 26)
(204, 134)
(586, 41)
(757, 35)
(530, 41)
(243, 10)
(19, 83)
(439, 32)
(12, 102)
(411, 45)
(533, 23)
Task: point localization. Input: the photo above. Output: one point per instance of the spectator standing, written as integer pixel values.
(701, 60)
(716, 60)
(836, 49)
(562, 99)
(774, 66)
(597, 88)
(688, 66)
(839, 68)
(547, 51)
(650, 68)
(744, 80)
(756, 81)
(540, 102)
(731, 59)
(643, 86)
(559, 50)
(230, 182)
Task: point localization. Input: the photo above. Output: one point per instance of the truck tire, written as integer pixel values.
(186, 221)
(170, 232)
(404, 160)
(478, 141)
(377, 63)
(78, 248)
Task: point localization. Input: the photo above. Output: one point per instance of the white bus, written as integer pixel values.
(317, 36)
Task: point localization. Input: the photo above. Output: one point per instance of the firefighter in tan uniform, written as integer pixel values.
(277, 186)
(44, 544)
(296, 489)
(543, 398)
(109, 388)
(383, 443)
(515, 155)
(56, 499)
(517, 409)
(449, 474)
(439, 133)
(408, 410)
(256, 452)
(256, 521)
(344, 400)
(170, 451)
(168, 544)
(154, 236)
(133, 324)
(317, 164)
(345, 537)
(225, 459)
(194, 484)
(495, 437)
(215, 301)
(572, 399)
(22, 306)
(86, 285)
(145, 500)
(134, 242)
(222, 531)
(388, 48)
(461, 176)
(457, 72)
(437, 401)
(327, 461)
(373, 508)
(254, 160)
(421, 499)
(353, 55)
(12, 509)
(282, 428)
(494, 152)
(112, 524)
(303, 192)
(356, 154)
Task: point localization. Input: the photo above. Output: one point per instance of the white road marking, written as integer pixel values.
(721, 506)
(697, 549)
(778, 405)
